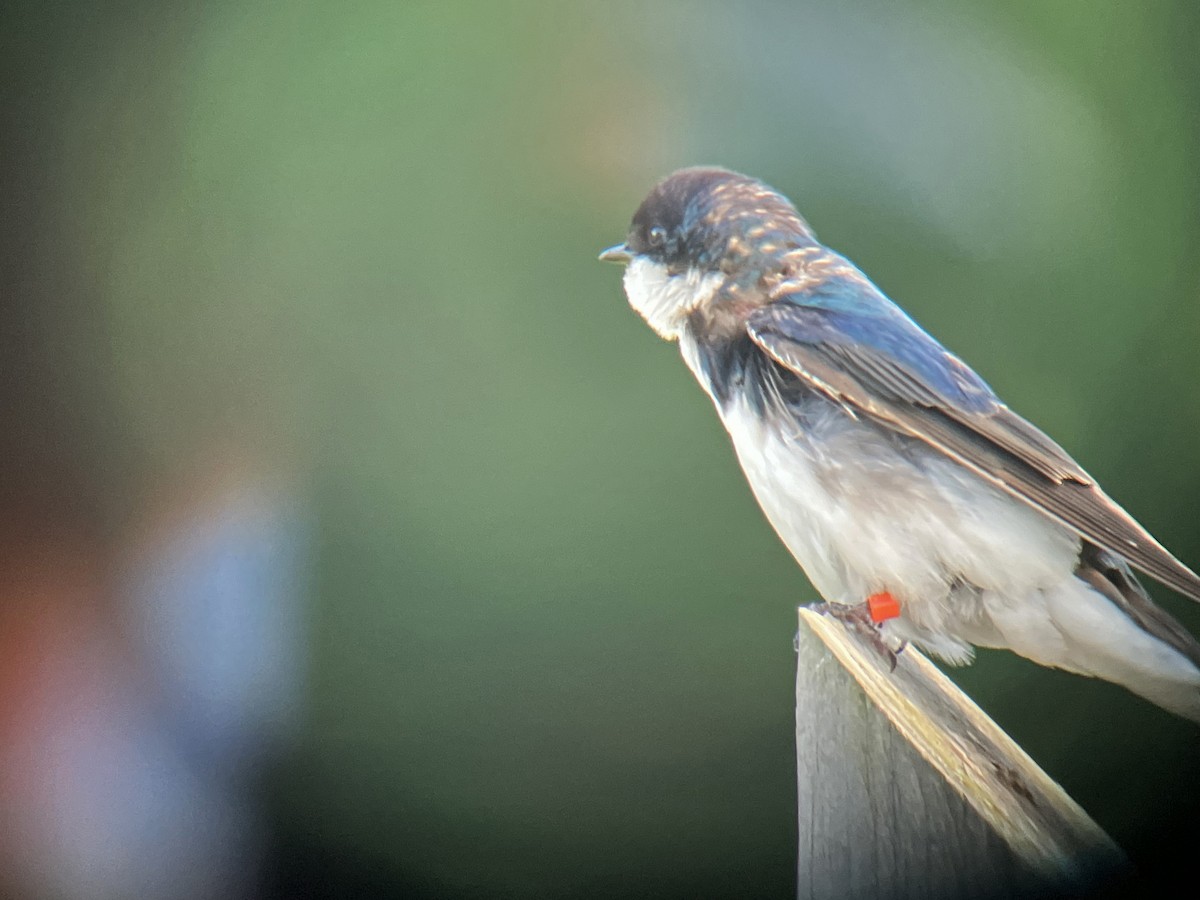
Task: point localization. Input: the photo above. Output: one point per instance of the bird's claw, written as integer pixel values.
(858, 617)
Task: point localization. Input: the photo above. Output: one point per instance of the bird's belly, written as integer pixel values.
(865, 510)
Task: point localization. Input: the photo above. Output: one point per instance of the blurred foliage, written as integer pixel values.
(551, 631)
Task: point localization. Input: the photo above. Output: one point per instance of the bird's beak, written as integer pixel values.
(618, 254)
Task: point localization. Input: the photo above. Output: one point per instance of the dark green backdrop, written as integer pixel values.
(549, 631)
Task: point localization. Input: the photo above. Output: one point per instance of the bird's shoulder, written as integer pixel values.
(835, 310)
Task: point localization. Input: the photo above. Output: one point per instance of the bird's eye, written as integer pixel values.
(657, 236)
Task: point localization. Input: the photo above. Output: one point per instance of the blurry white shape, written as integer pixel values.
(135, 774)
(117, 807)
(221, 618)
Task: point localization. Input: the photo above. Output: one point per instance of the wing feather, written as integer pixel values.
(982, 435)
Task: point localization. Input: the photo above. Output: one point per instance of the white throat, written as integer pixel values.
(665, 300)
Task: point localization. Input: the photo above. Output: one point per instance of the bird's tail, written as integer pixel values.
(1109, 628)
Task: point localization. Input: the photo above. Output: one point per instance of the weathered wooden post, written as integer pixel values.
(907, 789)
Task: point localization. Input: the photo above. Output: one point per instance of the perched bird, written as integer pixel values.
(913, 498)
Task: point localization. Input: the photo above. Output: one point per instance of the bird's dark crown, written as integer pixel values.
(713, 219)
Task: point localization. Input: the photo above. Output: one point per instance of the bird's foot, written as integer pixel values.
(866, 619)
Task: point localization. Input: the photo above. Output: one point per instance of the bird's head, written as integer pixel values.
(706, 236)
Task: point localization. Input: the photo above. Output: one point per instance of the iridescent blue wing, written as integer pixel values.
(848, 341)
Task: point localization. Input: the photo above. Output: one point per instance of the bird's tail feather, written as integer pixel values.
(1080, 626)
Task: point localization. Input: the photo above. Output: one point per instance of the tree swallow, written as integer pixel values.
(910, 494)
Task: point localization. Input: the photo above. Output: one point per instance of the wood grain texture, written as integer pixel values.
(907, 789)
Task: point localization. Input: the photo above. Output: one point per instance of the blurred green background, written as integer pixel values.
(548, 633)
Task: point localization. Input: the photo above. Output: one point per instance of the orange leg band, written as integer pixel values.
(883, 606)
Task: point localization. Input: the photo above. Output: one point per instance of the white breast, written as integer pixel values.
(864, 510)
(665, 300)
